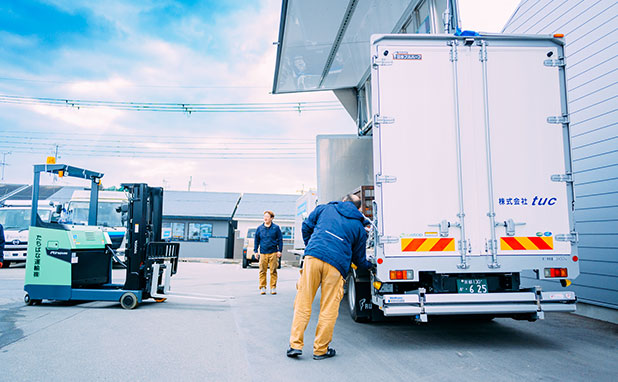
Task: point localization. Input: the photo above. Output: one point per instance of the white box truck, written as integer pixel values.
(109, 215)
(472, 175)
(15, 219)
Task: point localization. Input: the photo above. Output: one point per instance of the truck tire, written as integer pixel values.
(359, 300)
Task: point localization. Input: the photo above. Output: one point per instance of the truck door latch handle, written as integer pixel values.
(510, 226)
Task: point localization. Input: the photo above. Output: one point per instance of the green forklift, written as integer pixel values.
(74, 262)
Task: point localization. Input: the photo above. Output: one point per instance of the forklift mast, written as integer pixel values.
(144, 219)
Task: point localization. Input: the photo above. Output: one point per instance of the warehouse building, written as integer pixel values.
(201, 221)
(590, 30)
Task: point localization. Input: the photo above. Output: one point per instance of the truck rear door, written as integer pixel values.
(415, 155)
(471, 153)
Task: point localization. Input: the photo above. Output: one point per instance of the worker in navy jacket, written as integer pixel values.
(335, 237)
(269, 240)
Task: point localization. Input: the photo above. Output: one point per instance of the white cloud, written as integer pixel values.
(123, 67)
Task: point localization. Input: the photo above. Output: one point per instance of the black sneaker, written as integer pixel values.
(329, 353)
(293, 353)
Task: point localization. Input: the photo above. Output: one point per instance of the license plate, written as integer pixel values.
(472, 286)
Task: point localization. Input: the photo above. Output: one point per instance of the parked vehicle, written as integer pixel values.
(109, 215)
(15, 219)
(472, 175)
(248, 256)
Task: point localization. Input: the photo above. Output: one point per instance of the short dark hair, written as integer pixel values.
(272, 214)
(354, 199)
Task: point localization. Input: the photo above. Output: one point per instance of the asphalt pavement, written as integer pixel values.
(245, 338)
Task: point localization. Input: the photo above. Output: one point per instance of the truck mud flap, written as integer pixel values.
(422, 304)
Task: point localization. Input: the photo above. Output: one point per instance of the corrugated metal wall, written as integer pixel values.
(590, 28)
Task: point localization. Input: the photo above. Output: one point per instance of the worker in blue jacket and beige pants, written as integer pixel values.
(334, 236)
(269, 239)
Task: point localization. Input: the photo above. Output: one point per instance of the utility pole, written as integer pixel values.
(4, 164)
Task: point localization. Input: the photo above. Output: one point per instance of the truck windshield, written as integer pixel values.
(106, 216)
(19, 218)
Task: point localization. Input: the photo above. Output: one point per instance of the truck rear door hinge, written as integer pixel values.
(381, 61)
(562, 178)
(387, 239)
(558, 120)
(385, 178)
(382, 120)
(573, 237)
(558, 62)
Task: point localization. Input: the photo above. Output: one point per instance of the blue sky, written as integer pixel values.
(163, 51)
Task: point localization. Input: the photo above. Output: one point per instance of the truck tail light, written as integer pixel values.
(556, 272)
(401, 275)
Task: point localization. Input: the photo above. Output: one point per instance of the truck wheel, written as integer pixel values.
(27, 300)
(128, 300)
(359, 300)
(244, 261)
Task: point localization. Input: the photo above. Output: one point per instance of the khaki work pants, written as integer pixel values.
(268, 260)
(316, 273)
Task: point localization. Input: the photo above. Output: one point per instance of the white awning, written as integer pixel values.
(324, 44)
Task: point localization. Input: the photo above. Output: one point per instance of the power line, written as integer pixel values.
(179, 140)
(93, 148)
(16, 79)
(188, 108)
(268, 156)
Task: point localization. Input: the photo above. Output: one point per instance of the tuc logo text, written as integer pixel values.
(524, 201)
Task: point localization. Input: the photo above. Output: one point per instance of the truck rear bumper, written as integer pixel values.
(421, 304)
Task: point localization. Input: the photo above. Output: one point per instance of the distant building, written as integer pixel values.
(206, 224)
(591, 31)
(201, 221)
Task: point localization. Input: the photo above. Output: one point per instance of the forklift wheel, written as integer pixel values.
(128, 300)
(160, 299)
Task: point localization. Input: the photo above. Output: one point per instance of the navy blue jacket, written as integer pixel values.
(335, 234)
(269, 239)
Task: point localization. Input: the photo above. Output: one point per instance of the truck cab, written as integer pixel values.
(109, 214)
(15, 219)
